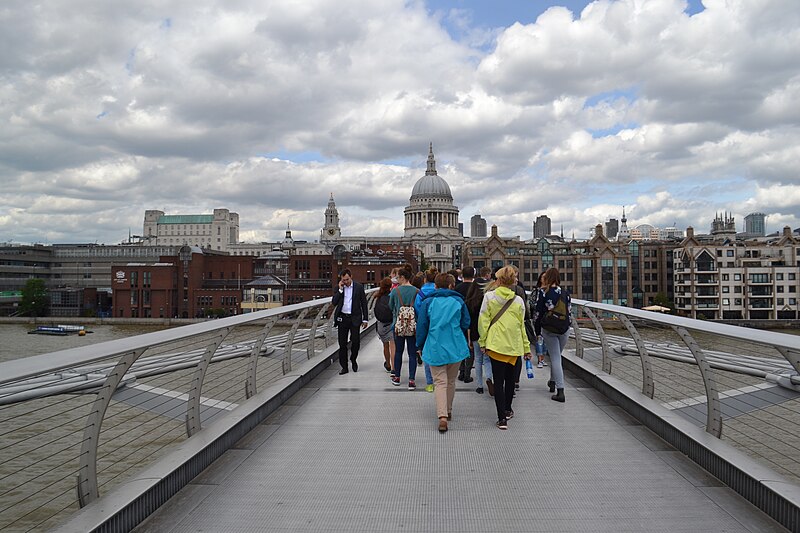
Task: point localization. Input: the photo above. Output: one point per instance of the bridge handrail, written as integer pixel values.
(69, 426)
(783, 340)
(27, 367)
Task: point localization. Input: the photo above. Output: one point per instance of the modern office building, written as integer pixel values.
(541, 227)
(477, 226)
(754, 225)
(612, 228)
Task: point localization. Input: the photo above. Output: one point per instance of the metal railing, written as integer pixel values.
(76, 423)
(741, 385)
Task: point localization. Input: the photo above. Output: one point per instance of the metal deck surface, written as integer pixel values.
(354, 453)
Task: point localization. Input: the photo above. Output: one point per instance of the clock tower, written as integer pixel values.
(331, 230)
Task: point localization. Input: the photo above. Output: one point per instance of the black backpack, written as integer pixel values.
(382, 310)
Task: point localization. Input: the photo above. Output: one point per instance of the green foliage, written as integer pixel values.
(34, 298)
(662, 300)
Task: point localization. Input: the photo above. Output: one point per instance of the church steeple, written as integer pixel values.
(330, 230)
(431, 171)
(623, 232)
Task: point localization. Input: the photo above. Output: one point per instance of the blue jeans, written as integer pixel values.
(428, 375)
(555, 345)
(483, 365)
(399, 344)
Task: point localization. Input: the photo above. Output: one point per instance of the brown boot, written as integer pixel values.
(442, 425)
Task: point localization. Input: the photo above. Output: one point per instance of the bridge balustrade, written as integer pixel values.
(76, 423)
(741, 385)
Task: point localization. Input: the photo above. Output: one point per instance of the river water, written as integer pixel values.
(15, 342)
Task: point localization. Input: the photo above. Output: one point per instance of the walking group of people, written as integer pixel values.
(447, 325)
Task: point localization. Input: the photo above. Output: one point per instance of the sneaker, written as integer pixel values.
(479, 390)
(544, 363)
(468, 379)
(412, 385)
(388, 367)
(540, 365)
(509, 415)
(396, 381)
(429, 388)
(502, 424)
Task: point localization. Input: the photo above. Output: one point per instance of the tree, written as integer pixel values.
(34, 298)
(662, 300)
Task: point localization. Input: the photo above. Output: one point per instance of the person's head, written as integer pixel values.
(419, 280)
(445, 281)
(346, 277)
(384, 287)
(468, 272)
(486, 272)
(453, 272)
(404, 275)
(430, 274)
(539, 282)
(506, 276)
(551, 277)
(393, 273)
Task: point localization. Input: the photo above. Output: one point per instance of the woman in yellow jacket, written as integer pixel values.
(503, 338)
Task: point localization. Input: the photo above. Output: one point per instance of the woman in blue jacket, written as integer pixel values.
(441, 325)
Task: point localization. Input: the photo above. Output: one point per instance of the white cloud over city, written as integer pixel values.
(265, 108)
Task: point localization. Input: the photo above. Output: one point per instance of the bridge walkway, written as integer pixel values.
(354, 453)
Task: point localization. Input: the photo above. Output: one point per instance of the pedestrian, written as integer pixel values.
(541, 350)
(404, 327)
(441, 336)
(519, 289)
(474, 299)
(465, 370)
(350, 303)
(503, 336)
(393, 277)
(427, 288)
(384, 318)
(553, 311)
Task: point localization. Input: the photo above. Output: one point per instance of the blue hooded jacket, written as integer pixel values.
(441, 322)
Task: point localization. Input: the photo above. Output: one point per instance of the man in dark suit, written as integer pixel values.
(351, 313)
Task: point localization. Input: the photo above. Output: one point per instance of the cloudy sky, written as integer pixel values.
(676, 109)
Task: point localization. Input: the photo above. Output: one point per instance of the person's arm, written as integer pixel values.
(338, 294)
(484, 320)
(422, 326)
(526, 343)
(540, 311)
(362, 298)
(465, 321)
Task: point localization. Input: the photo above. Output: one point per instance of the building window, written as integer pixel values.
(737, 277)
(134, 279)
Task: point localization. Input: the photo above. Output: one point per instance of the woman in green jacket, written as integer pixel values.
(503, 338)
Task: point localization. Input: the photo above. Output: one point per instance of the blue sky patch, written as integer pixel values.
(631, 94)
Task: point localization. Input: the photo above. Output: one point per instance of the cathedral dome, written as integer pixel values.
(431, 186)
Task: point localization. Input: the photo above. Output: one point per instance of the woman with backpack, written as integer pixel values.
(503, 337)
(404, 326)
(443, 322)
(553, 311)
(383, 314)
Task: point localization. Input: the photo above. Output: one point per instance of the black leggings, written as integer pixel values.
(504, 375)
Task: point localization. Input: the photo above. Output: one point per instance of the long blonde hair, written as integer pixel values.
(505, 277)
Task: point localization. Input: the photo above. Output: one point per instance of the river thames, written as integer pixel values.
(15, 342)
